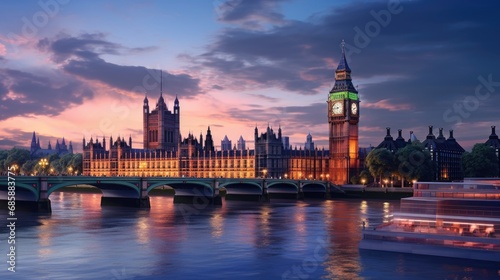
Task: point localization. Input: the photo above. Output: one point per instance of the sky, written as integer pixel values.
(79, 69)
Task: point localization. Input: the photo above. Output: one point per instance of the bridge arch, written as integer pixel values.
(314, 187)
(29, 193)
(104, 187)
(242, 188)
(282, 187)
(185, 188)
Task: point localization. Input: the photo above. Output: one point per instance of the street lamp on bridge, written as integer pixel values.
(43, 163)
(264, 171)
(14, 168)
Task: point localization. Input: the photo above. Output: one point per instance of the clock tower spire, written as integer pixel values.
(343, 119)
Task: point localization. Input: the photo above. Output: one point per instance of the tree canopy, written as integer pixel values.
(480, 162)
(415, 163)
(29, 166)
(380, 162)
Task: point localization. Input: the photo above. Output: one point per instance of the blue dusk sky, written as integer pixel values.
(82, 68)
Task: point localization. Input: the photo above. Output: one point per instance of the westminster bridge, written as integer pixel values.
(35, 191)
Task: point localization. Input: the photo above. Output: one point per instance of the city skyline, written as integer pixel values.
(239, 64)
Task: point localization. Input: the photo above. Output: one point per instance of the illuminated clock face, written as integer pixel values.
(337, 108)
(354, 108)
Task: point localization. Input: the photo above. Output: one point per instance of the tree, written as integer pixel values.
(3, 156)
(66, 161)
(56, 167)
(28, 167)
(77, 163)
(16, 157)
(366, 176)
(355, 180)
(415, 163)
(480, 162)
(380, 162)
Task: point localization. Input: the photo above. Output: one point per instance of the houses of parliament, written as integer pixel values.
(166, 154)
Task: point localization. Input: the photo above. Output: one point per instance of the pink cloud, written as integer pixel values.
(3, 50)
(385, 104)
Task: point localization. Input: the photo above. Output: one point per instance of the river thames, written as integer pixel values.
(239, 240)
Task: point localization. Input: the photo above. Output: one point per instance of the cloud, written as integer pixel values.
(295, 118)
(430, 72)
(387, 105)
(250, 13)
(81, 56)
(26, 94)
(22, 139)
(3, 50)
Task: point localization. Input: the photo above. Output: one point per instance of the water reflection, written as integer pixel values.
(304, 239)
(142, 230)
(344, 233)
(217, 222)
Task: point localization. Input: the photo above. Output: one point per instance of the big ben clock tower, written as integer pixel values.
(343, 119)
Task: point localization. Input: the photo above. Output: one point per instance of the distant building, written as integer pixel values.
(209, 142)
(309, 145)
(241, 144)
(286, 142)
(225, 144)
(390, 144)
(494, 142)
(445, 153)
(60, 148)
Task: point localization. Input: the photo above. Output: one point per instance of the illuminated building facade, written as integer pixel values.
(161, 127)
(166, 154)
(343, 119)
(190, 159)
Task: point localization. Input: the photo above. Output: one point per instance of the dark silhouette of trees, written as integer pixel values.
(480, 162)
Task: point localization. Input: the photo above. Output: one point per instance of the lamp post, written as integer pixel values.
(363, 181)
(286, 176)
(265, 173)
(43, 163)
(328, 177)
(70, 170)
(14, 168)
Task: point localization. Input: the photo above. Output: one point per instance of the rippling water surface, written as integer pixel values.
(239, 240)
